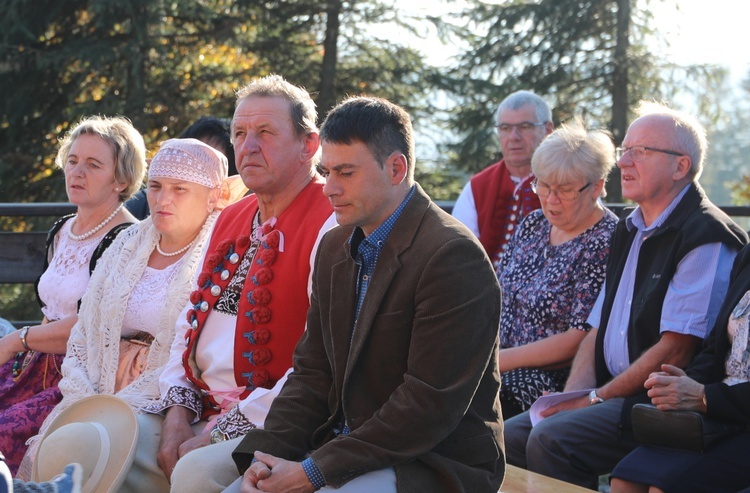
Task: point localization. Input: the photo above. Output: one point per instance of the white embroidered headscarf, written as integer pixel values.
(190, 160)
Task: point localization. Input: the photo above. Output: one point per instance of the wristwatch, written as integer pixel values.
(217, 435)
(594, 399)
(22, 334)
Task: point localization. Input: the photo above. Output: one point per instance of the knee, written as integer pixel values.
(545, 441)
(189, 473)
(207, 469)
(542, 437)
(516, 436)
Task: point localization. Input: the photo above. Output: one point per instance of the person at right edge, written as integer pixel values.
(667, 274)
(717, 384)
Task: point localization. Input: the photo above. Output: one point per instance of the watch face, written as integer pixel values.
(217, 436)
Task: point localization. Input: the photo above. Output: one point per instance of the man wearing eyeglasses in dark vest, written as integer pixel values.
(667, 275)
(495, 200)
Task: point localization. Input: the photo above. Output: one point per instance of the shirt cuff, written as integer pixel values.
(313, 473)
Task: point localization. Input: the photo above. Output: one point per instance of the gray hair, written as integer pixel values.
(572, 152)
(689, 136)
(302, 107)
(520, 99)
(128, 148)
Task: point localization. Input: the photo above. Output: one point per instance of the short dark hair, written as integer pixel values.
(212, 130)
(379, 124)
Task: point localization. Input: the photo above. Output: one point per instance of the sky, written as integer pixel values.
(698, 31)
(705, 31)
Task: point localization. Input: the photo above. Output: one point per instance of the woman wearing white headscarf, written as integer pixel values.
(126, 323)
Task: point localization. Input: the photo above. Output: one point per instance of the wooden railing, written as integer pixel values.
(22, 254)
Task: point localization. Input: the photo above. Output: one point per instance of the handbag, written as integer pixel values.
(687, 430)
(132, 363)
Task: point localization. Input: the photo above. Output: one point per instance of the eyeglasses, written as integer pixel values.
(523, 127)
(638, 153)
(544, 190)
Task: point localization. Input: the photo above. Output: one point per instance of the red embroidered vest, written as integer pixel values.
(499, 209)
(273, 305)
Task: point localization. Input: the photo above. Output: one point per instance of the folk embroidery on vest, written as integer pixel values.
(220, 267)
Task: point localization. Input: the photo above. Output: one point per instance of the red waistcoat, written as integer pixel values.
(273, 305)
(499, 209)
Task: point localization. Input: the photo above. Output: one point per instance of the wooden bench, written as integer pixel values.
(519, 480)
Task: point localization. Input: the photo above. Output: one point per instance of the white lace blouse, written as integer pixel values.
(66, 278)
(146, 302)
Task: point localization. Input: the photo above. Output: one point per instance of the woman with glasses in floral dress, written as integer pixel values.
(554, 266)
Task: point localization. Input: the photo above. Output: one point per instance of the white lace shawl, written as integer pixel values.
(92, 355)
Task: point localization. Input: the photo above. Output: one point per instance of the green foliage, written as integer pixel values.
(19, 302)
(163, 64)
(439, 181)
(68, 59)
(730, 144)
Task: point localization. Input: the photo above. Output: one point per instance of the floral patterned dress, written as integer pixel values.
(547, 289)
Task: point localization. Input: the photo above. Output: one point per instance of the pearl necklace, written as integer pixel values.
(93, 231)
(173, 254)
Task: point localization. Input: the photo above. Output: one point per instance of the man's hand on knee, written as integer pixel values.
(198, 441)
(568, 405)
(174, 432)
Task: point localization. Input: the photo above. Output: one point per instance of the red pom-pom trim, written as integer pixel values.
(243, 241)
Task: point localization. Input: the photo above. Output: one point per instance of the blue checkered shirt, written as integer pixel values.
(365, 251)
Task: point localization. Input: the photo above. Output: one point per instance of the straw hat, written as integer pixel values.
(100, 432)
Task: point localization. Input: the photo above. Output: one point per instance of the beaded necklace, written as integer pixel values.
(173, 254)
(93, 231)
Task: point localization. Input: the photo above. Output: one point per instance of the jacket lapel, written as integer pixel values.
(343, 299)
(388, 266)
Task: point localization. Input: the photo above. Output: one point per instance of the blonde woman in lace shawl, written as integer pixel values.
(141, 285)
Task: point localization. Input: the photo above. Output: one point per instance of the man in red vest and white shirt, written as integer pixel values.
(495, 200)
(234, 340)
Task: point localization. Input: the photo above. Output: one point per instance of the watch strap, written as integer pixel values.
(23, 333)
(594, 398)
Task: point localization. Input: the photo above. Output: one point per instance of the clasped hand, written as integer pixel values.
(671, 389)
(274, 475)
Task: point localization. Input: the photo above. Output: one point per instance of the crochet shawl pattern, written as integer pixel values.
(92, 356)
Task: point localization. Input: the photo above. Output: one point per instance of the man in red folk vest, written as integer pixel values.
(235, 339)
(497, 198)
